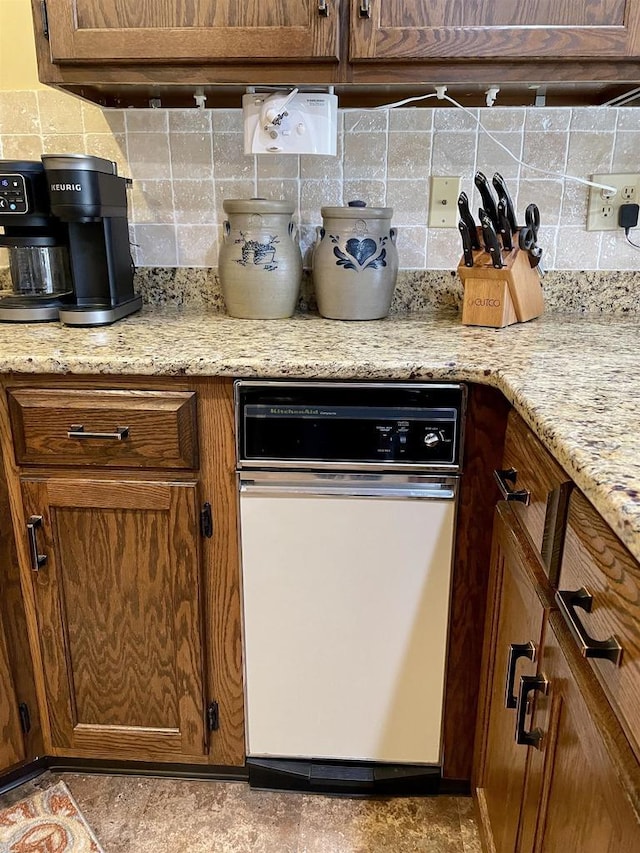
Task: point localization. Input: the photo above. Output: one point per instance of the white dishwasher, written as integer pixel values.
(347, 517)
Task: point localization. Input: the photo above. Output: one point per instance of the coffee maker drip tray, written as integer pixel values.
(30, 309)
(97, 315)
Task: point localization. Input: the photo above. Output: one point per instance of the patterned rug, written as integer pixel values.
(47, 822)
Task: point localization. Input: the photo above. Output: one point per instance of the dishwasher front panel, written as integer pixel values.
(346, 602)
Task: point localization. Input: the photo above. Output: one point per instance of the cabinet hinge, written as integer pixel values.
(206, 521)
(25, 717)
(213, 717)
(45, 19)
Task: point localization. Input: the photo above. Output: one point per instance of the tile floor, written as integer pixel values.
(139, 815)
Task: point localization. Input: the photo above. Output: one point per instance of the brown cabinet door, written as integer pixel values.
(424, 29)
(169, 32)
(118, 601)
(516, 629)
(11, 740)
(583, 786)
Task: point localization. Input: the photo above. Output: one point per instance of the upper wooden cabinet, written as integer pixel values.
(420, 29)
(194, 31)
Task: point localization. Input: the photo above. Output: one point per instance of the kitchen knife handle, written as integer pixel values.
(488, 200)
(505, 228)
(503, 195)
(466, 243)
(465, 215)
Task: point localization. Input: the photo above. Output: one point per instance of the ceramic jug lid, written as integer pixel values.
(356, 210)
(257, 205)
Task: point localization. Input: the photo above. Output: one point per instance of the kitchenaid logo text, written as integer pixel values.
(487, 303)
(60, 188)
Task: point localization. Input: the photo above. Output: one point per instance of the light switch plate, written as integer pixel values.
(443, 202)
(602, 213)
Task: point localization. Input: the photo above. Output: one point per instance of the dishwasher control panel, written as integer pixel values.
(321, 424)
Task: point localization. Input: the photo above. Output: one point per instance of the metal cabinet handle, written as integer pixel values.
(516, 651)
(609, 649)
(37, 560)
(510, 475)
(77, 431)
(364, 8)
(528, 684)
(323, 8)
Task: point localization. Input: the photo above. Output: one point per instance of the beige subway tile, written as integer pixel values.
(590, 152)
(625, 152)
(374, 193)
(63, 143)
(230, 190)
(546, 151)
(278, 166)
(21, 147)
(409, 200)
(503, 119)
(155, 245)
(577, 249)
(194, 202)
(278, 189)
(443, 248)
(365, 121)
(317, 194)
(189, 121)
(454, 119)
(320, 166)
(547, 194)
(594, 118)
(492, 158)
(148, 155)
(59, 113)
(146, 121)
(110, 147)
(227, 121)
(628, 118)
(411, 245)
(410, 119)
(365, 156)
(453, 154)
(548, 118)
(616, 253)
(574, 205)
(152, 201)
(99, 120)
(229, 160)
(409, 155)
(547, 240)
(19, 113)
(197, 245)
(191, 155)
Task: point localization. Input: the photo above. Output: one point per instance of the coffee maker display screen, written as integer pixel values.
(13, 194)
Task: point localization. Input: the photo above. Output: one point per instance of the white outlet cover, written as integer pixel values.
(603, 208)
(443, 202)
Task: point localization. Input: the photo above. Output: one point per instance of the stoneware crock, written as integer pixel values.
(259, 263)
(355, 262)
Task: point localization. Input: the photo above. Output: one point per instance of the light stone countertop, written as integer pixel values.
(575, 379)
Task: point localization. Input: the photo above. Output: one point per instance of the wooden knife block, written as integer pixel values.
(500, 297)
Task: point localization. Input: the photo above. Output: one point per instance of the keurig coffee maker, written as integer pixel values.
(37, 243)
(88, 195)
(65, 226)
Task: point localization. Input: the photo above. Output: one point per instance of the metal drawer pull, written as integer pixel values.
(528, 684)
(37, 560)
(364, 10)
(77, 431)
(323, 8)
(516, 651)
(510, 475)
(609, 649)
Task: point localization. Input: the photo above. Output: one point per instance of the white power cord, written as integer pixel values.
(441, 95)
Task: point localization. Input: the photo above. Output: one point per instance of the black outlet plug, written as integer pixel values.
(628, 216)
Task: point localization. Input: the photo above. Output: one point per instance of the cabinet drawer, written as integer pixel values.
(538, 490)
(126, 429)
(596, 563)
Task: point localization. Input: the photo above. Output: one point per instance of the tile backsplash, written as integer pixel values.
(184, 163)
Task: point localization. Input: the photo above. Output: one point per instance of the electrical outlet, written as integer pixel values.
(443, 202)
(604, 205)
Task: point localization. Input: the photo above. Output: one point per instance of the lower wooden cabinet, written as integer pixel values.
(118, 600)
(554, 769)
(11, 737)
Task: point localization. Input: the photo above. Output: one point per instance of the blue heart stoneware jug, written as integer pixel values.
(355, 262)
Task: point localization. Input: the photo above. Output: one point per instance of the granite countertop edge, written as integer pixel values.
(573, 378)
